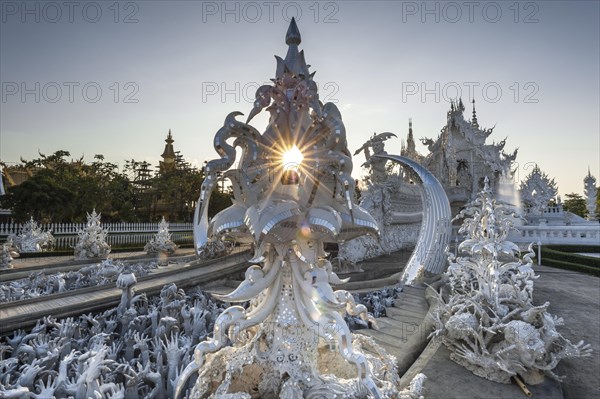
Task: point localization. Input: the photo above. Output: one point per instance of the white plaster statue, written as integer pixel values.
(489, 322)
(161, 241)
(591, 194)
(7, 252)
(215, 248)
(92, 239)
(293, 191)
(32, 238)
(536, 191)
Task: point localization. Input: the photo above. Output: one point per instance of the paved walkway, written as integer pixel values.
(42, 261)
(576, 298)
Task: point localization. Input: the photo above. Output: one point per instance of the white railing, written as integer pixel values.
(72, 228)
(575, 235)
(552, 210)
(583, 235)
(119, 234)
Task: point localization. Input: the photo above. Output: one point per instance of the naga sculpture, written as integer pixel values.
(489, 322)
(293, 191)
(398, 228)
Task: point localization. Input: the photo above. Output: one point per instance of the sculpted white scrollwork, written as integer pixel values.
(293, 191)
(32, 238)
(489, 322)
(92, 239)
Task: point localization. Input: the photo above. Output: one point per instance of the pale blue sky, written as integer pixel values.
(369, 56)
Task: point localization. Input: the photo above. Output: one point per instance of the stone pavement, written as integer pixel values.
(576, 298)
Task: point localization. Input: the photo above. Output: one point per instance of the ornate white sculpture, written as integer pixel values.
(377, 166)
(398, 229)
(590, 192)
(92, 239)
(216, 248)
(536, 191)
(161, 242)
(7, 252)
(293, 192)
(32, 238)
(489, 322)
(434, 234)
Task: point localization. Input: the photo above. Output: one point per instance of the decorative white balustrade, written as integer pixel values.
(73, 228)
(119, 234)
(575, 235)
(583, 235)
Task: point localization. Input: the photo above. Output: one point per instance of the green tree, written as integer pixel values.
(61, 190)
(42, 197)
(575, 203)
(218, 201)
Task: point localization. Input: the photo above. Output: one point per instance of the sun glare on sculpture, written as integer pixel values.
(292, 158)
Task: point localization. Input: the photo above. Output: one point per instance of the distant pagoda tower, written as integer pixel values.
(409, 149)
(590, 191)
(168, 163)
(474, 122)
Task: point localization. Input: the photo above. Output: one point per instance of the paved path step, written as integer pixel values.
(402, 325)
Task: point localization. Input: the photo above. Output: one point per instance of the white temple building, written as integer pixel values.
(460, 158)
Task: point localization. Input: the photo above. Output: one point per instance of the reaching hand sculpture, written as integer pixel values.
(293, 191)
(7, 252)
